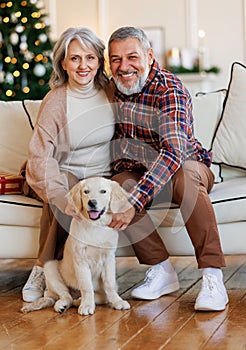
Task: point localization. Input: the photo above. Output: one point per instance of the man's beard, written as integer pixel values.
(137, 87)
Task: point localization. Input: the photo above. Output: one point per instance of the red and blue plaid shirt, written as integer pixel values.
(154, 134)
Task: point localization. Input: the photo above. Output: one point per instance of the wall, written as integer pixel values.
(222, 20)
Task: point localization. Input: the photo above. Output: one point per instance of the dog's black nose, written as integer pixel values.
(92, 203)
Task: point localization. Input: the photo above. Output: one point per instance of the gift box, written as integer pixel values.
(11, 184)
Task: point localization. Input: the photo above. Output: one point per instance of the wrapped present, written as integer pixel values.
(11, 184)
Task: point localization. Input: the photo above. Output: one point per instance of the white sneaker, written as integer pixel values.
(35, 285)
(212, 296)
(157, 282)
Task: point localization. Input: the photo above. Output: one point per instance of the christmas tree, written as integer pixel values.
(25, 50)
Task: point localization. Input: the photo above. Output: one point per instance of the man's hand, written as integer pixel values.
(120, 221)
(70, 211)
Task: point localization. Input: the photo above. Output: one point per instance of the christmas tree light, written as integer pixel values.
(25, 50)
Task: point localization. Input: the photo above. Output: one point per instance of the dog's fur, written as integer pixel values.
(88, 262)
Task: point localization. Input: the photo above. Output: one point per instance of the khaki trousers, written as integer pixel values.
(189, 188)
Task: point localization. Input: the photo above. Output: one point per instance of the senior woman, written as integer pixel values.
(71, 140)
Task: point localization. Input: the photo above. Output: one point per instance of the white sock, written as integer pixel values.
(167, 266)
(213, 271)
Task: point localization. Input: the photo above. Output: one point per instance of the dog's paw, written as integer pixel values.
(39, 304)
(61, 306)
(86, 309)
(121, 305)
(26, 308)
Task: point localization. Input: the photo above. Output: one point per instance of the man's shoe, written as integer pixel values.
(212, 296)
(157, 282)
(35, 285)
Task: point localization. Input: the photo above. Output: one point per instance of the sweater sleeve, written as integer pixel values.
(47, 150)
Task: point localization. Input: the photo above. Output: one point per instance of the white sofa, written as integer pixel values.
(19, 215)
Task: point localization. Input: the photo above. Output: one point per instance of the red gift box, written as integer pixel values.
(11, 184)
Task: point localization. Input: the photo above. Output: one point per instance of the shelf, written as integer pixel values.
(197, 77)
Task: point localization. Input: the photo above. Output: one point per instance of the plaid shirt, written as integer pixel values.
(154, 134)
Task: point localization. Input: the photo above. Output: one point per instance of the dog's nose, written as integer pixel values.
(92, 203)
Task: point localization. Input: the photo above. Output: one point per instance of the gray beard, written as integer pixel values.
(137, 86)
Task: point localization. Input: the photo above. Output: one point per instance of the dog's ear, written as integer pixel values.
(74, 197)
(119, 198)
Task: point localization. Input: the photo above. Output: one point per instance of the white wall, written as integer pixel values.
(223, 21)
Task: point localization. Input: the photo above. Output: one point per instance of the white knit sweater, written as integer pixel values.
(91, 127)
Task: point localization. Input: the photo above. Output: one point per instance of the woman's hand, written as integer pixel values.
(120, 221)
(69, 210)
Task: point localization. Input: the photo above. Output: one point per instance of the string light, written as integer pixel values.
(7, 59)
(26, 89)
(39, 57)
(16, 73)
(36, 14)
(38, 25)
(9, 93)
(25, 65)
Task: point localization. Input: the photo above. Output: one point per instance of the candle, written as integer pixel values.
(203, 52)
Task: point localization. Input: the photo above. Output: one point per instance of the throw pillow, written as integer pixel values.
(229, 141)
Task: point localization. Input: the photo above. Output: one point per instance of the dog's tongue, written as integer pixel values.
(94, 214)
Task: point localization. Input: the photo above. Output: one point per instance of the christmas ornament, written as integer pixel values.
(19, 28)
(28, 56)
(24, 80)
(1, 77)
(9, 78)
(14, 38)
(39, 70)
(23, 46)
(13, 18)
(24, 38)
(43, 38)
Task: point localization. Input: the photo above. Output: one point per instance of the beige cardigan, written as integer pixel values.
(49, 148)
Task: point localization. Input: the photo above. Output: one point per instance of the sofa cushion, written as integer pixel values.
(18, 210)
(229, 202)
(16, 120)
(229, 141)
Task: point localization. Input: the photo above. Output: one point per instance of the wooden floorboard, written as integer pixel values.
(168, 323)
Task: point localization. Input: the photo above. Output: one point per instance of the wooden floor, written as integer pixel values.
(167, 323)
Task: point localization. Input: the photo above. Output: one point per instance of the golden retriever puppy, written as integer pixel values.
(88, 262)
